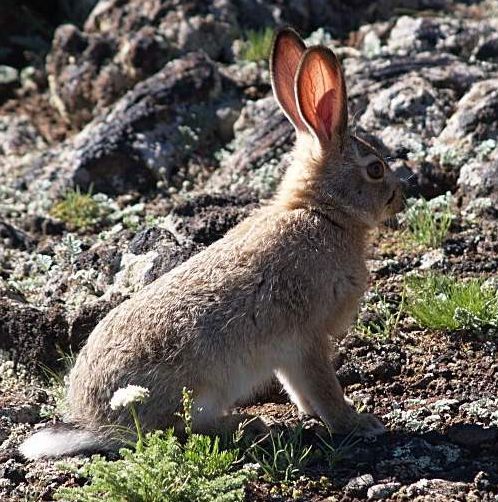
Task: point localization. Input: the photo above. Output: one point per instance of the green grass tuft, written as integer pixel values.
(257, 45)
(282, 456)
(379, 317)
(428, 222)
(79, 210)
(442, 302)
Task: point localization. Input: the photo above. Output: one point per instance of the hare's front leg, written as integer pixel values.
(312, 384)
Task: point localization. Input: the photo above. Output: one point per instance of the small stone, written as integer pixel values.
(481, 481)
(23, 413)
(436, 487)
(382, 490)
(488, 50)
(9, 80)
(358, 486)
(429, 259)
(5, 483)
(12, 471)
(472, 435)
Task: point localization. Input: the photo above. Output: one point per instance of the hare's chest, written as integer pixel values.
(340, 298)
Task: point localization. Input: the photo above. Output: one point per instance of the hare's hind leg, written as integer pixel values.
(313, 380)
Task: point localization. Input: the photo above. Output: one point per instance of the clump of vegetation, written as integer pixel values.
(161, 468)
(79, 210)
(257, 45)
(379, 317)
(442, 302)
(282, 456)
(428, 222)
(57, 381)
(486, 148)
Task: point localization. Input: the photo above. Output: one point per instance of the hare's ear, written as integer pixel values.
(321, 95)
(285, 55)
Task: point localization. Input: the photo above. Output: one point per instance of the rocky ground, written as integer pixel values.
(178, 144)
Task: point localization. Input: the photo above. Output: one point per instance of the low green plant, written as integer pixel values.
(443, 302)
(56, 388)
(428, 222)
(162, 469)
(257, 45)
(281, 455)
(334, 454)
(79, 210)
(379, 318)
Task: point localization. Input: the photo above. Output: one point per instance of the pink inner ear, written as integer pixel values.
(325, 110)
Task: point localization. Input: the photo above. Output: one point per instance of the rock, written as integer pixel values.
(481, 481)
(411, 34)
(357, 487)
(14, 238)
(88, 71)
(441, 488)
(22, 414)
(255, 159)
(416, 458)
(454, 75)
(350, 373)
(33, 336)
(411, 101)
(479, 179)
(194, 224)
(146, 136)
(9, 80)
(185, 26)
(487, 50)
(368, 362)
(206, 218)
(79, 75)
(105, 258)
(37, 224)
(13, 471)
(82, 322)
(227, 116)
(472, 435)
(382, 491)
(18, 136)
(149, 239)
(161, 251)
(431, 258)
(476, 115)
(444, 34)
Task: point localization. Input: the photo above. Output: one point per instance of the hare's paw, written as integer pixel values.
(368, 425)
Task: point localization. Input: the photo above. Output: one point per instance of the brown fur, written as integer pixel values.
(266, 299)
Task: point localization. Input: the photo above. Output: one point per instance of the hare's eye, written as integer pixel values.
(375, 170)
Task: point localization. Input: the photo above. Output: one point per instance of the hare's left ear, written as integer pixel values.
(321, 95)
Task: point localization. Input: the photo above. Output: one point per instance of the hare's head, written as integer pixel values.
(332, 168)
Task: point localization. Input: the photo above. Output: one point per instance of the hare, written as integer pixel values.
(264, 300)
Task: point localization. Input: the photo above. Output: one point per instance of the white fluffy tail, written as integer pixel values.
(61, 441)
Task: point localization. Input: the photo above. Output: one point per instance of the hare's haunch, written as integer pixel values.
(265, 300)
